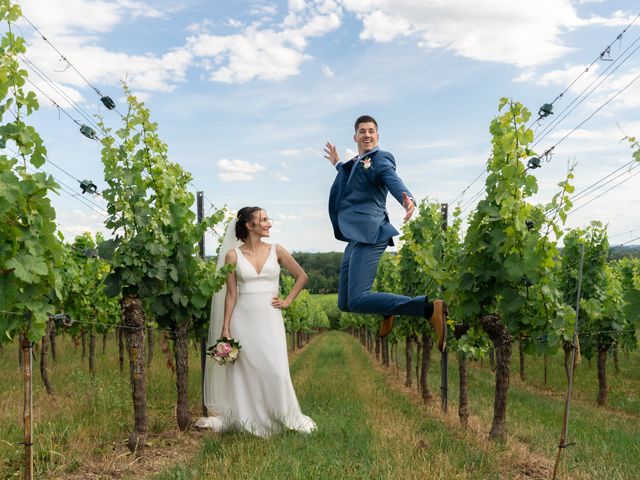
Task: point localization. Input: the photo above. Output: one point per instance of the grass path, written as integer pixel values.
(370, 426)
(604, 441)
(366, 430)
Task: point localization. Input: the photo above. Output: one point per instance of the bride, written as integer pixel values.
(254, 394)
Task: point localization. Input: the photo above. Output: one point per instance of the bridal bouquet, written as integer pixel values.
(225, 350)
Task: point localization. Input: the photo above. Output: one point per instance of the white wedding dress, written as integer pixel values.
(254, 394)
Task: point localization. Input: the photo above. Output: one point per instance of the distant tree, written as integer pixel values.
(624, 251)
(322, 268)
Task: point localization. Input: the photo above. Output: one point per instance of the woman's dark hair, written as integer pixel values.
(245, 215)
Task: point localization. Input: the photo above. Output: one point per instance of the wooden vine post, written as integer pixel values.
(27, 370)
(562, 445)
(31, 253)
(444, 359)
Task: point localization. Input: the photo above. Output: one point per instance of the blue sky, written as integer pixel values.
(246, 94)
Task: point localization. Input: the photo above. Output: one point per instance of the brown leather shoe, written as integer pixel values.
(386, 326)
(439, 322)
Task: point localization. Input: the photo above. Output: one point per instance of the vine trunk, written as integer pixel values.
(133, 318)
(427, 346)
(409, 360)
(182, 375)
(502, 343)
(44, 360)
(603, 350)
(463, 399)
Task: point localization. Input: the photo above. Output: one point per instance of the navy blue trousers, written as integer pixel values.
(357, 273)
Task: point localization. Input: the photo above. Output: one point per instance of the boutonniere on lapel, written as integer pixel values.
(366, 163)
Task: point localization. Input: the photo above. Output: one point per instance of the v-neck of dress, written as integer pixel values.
(263, 265)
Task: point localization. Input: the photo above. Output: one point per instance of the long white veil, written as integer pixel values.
(214, 374)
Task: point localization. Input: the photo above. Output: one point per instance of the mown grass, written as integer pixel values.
(602, 438)
(365, 430)
(87, 417)
(369, 424)
(605, 441)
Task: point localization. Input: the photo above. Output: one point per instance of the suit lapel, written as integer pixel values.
(354, 165)
(351, 166)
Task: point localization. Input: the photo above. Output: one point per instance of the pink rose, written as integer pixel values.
(223, 349)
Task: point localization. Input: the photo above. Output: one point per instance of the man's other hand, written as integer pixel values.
(409, 206)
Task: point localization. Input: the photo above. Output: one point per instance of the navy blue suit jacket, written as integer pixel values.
(357, 203)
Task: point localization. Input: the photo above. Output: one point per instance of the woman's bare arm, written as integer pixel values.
(287, 261)
(232, 293)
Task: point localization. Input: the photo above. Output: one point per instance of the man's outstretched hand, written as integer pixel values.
(409, 206)
(331, 153)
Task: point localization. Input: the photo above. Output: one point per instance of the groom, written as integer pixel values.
(357, 210)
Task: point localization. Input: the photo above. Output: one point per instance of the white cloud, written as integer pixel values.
(591, 87)
(327, 72)
(618, 18)
(142, 96)
(61, 94)
(262, 54)
(519, 33)
(264, 10)
(607, 140)
(202, 25)
(238, 170)
(60, 17)
(290, 152)
(280, 177)
(74, 28)
(599, 86)
(101, 66)
(301, 152)
(384, 27)
(525, 76)
(628, 84)
(579, 134)
(362, 6)
(567, 75)
(266, 53)
(296, 5)
(288, 216)
(74, 222)
(139, 9)
(64, 16)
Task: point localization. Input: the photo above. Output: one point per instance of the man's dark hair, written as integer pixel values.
(365, 119)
